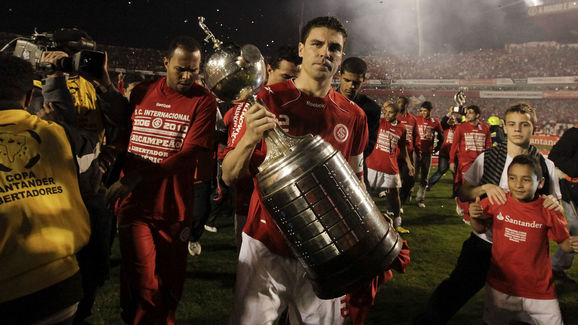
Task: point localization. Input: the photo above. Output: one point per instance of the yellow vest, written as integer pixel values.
(43, 220)
(85, 100)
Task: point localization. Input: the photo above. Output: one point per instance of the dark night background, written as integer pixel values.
(373, 25)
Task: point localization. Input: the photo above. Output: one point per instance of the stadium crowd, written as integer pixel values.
(513, 62)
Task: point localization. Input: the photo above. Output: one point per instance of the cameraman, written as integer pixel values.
(101, 110)
(43, 219)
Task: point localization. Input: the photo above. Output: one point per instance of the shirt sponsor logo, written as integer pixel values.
(513, 221)
(316, 105)
(341, 133)
(163, 105)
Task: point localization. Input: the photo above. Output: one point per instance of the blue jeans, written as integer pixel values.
(443, 167)
(562, 261)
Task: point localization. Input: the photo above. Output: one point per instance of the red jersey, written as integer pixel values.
(339, 121)
(520, 264)
(469, 142)
(410, 124)
(390, 137)
(244, 185)
(448, 140)
(168, 128)
(426, 129)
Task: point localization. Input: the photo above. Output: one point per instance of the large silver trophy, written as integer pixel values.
(330, 222)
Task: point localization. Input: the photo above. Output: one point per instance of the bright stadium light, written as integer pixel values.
(532, 3)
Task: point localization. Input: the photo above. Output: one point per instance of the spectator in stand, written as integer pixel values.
(153, 198)
(410, 123)
(382, 168)
(564, 154)
(470, 140)
(449, 123)
(351, 79)
(427, 126)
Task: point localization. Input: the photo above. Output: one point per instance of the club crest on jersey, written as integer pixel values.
(341, 133)
(157, 122)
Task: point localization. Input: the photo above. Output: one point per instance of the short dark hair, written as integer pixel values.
(284, 52)
(16, 76)
(475, 108)
(427, 105)
(325, 21)
(530, 161)
(393, 105)
(187, 43)
(354, 65)
(404, 99)
(523, 108)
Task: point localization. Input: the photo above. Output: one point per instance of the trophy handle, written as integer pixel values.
(216, 43)
(278, 141)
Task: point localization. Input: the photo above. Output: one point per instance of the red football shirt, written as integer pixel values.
(410, 124)
(426, 129)
(390, 137)
(469, 142)
(520, 264)
(335, 118)
(244, 185)
(168, 129)
(448, 140)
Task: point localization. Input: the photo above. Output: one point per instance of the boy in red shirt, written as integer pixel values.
(427, 125)
(470, 140)
(382, 167)
(408, 120)
(521, 229)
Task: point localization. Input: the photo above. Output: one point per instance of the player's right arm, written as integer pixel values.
(257, 120)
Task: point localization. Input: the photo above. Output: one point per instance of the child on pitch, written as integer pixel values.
(520, 284)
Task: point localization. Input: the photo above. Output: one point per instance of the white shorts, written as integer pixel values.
(500, 308)
(267, 284)
(379, 181)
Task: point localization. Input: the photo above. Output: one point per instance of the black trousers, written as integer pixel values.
(407, 181)
(201, 209)
(467, 278)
